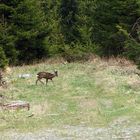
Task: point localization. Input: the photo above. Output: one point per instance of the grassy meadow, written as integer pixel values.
(91, 94)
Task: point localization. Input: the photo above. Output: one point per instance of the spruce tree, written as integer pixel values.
(7, 38)
(24, 30)
(30, 29)
(109, 17)
(85, 21)
(50, 8)
(68, 15)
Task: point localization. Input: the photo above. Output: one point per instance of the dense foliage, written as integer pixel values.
(109, 17)
(35, 29)
(68, 23)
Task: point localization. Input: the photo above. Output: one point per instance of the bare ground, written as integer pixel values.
(117, 130)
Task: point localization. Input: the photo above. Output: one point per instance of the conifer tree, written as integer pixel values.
(50, 8)
(109, 17)
(30, 29)
(7, 38)
(68, 15)
(24, 29)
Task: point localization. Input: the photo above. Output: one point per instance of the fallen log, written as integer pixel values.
(14, 105)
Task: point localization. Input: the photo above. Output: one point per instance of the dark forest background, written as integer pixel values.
(73, 29)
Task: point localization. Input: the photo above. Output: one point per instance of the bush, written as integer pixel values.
(71, 53)
(133, 51)
(76, 52)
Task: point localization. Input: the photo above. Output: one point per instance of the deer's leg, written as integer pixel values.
(37, 81)
(41, 81)
(46, 81)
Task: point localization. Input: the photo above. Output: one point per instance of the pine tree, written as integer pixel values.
(109, 17)
(85, 21)
(30, 29)
(7, 39)
(68, 14)
(50, 8)
(24, 30)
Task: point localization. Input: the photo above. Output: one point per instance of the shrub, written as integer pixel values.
(133, 51)
(71, 53)
(76, 53)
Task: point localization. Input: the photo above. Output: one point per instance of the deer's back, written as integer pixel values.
(41, 74)
(45, 75)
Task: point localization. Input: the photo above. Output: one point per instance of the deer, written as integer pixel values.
(46, 75)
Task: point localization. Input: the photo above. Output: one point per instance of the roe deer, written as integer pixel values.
(46, 75)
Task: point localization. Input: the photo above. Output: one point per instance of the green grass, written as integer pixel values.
(88, 93)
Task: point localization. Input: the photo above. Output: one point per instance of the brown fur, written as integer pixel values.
(46, 75)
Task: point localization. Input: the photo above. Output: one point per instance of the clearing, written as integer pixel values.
(97, 99)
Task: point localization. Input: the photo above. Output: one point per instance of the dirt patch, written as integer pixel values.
(112, 132)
